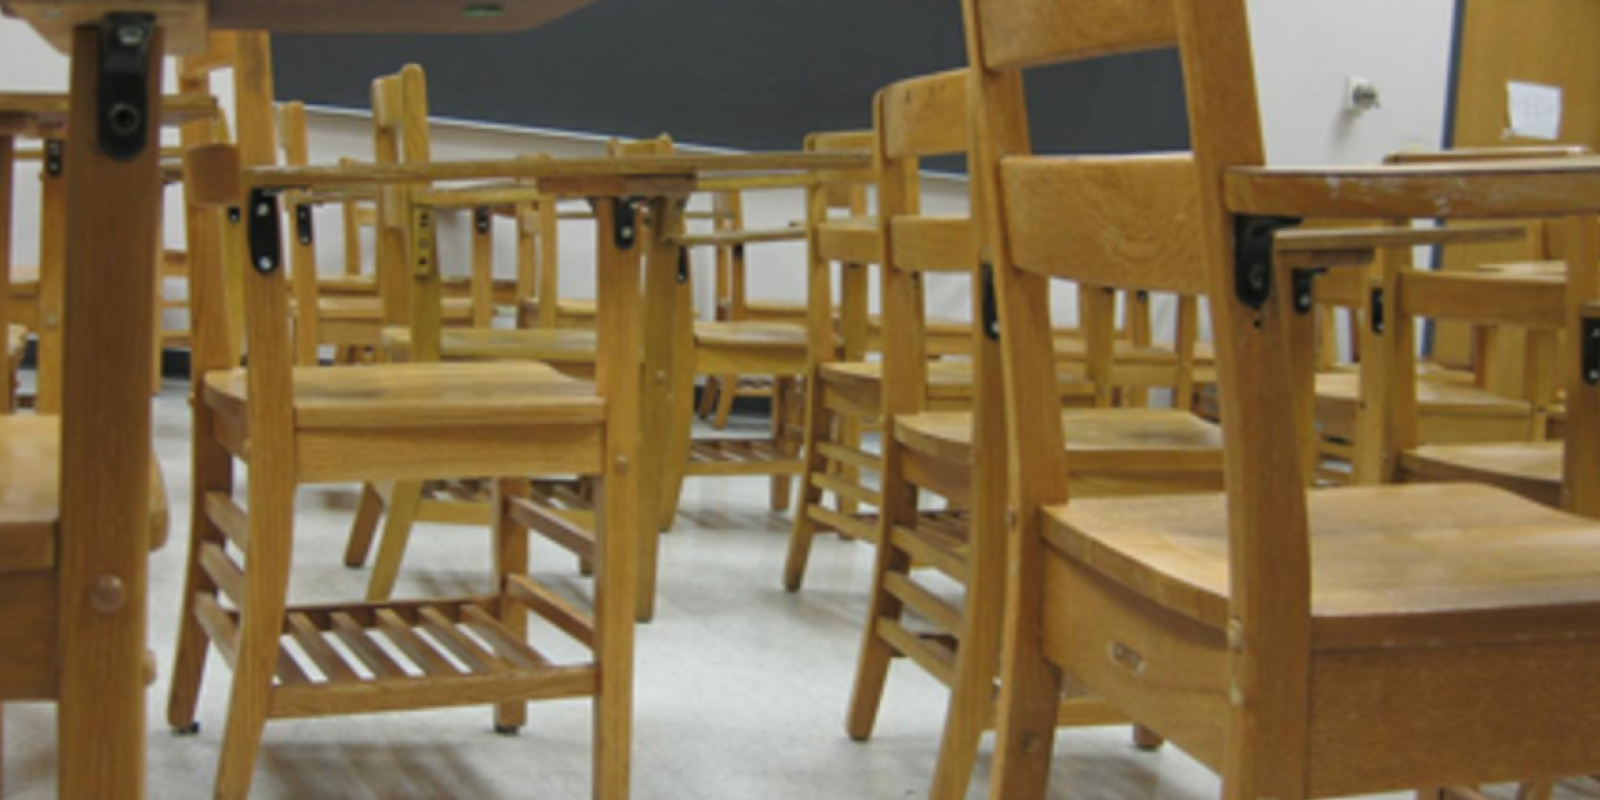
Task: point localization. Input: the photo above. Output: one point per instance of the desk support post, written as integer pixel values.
(111, 198)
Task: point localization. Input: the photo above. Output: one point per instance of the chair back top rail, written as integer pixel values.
(1020, 33)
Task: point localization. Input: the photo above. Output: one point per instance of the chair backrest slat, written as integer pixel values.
(1127, 223)
(925, 117)
(1520, 302)
(1021, 33)
(932, 244)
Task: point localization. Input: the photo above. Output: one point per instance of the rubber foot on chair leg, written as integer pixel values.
(192, 729)
(508, 730)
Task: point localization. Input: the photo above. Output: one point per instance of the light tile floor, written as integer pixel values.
(741, 686)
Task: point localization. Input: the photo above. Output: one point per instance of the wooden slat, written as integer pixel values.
(229, 518)
(553, 607)
(932, 244)
(1090, 220)
(414, 646)
(845, 525)
(471, 653)
(937, 660)
(851, 491)
(371, 654)
(219, 627)
(442, 691)
(739, 237)
(927, 548)
(924, 602)
(322, 654)
(519, 653)
(1484, 299)
(851, 456)
(553, 525)
(226, 574)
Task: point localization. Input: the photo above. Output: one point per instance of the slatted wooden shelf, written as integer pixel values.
(740, 457)
(370, 658)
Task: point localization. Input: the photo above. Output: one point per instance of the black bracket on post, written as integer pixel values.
(263, 232)
(55, 155)
(1375, 310)
(738, 252)
(481, 219)
(1253, 257)
(683, 265)
(991, 305)
(1591, 351)
(122, 103)
(627, 221)
(1303, 284)
(304, 230)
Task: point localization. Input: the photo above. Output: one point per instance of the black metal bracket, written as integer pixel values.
(683, 265)
(1375, 310)
(738, 252)
(1253, 257)
(264, 232)
(481, 219)
(1303, 284)
(122, 103)
(627, 222)
(234, 215)
(1591, 352)
(55, 156)
(304, 228)
(1141, 296)
(991, 305)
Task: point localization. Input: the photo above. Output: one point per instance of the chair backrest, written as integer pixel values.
(303, 277)
(841, 195)
(916, 119)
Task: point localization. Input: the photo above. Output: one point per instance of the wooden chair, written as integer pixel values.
(412, 421)
(1396, 649)
(400, 506)
(1126, 451)
(1534, 303)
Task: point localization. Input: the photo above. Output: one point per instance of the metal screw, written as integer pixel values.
(264, 263)
(627, 231)
(1257, 277)
(107, 596)
(263, 210)
(130, 36)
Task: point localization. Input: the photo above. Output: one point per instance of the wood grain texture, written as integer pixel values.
(924, 116)
(1089, 220)
(1020, 33)
(105, 447)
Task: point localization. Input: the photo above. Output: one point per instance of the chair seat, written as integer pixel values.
(1448, 411)
(1392, 565)
(422, 395)
(1101, 441)
(1531, 469)
(562, 346)
(947, 379)
(30, 491)
(363, 308)
(748, 334)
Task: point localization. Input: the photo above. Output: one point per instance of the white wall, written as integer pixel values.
(1305, 50)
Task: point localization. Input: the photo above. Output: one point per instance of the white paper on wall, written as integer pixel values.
(1535, 110)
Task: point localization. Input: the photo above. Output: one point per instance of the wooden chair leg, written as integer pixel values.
(782, 486)
(708, 397)
(368, 512)
(510, 543)
(1025, 721)
(818, 422)
(403, 506)
(728, 392)
(872, 668)
(260, 629)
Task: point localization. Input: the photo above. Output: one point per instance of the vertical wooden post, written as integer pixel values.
(52, 281)
(105, 452)
(7, 156)
(621, 519)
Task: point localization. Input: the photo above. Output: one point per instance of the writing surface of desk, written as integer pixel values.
(112, 199)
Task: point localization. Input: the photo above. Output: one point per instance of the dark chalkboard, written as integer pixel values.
(744, 74)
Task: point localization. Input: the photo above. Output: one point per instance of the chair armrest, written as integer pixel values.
(1532, 188)
(1473, 154)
